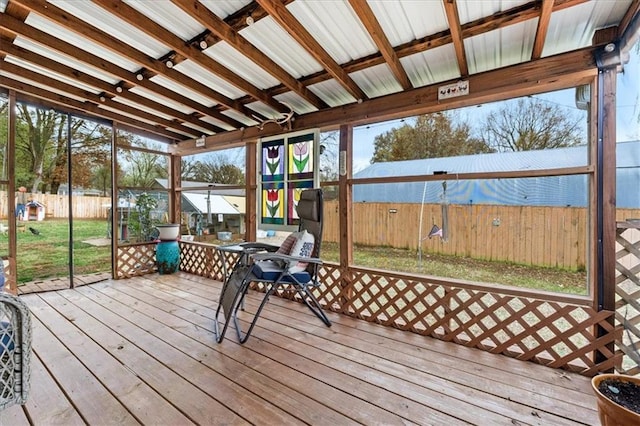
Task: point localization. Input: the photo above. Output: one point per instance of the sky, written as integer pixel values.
(627, 113)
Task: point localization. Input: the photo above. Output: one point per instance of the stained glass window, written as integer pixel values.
(288, 165)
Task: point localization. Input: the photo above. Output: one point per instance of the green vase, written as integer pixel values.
(167, 257)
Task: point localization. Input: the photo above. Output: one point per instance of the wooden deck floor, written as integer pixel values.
(142, 351)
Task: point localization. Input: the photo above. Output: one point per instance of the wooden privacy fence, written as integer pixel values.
(543, 236)
(57, 206)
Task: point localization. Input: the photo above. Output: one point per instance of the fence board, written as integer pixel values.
(57, 206)
(544, 236)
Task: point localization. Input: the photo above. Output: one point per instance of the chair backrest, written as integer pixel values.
(310, 213)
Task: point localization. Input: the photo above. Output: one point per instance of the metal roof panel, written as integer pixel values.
(169, 16)
(404, 22)
(280, 47)
(242, 66)
(573, 28)
(55, 30)
(431, 66)
(99, 18)
(501, 48)
(335, 27)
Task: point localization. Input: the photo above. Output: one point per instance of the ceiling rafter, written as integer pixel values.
(366, 16)
(8, 48)
(43, 96)
(213, 23)
(451, 9)
(149, 64)
(19, 27)
(480, 26)
(99, 99)
(543, 27)
(151, 28)
(281, 14)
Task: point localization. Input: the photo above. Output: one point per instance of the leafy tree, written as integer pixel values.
(440, 134)
(42, 147)
(530, 124)
(142, 168)
(218, 169)
(329, 156)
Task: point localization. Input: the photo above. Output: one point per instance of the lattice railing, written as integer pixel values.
(628, 296)
(558, 334)
(554, 330)
(135, 260)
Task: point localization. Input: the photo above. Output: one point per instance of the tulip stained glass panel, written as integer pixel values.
(273, 161)
(300, 159)
(287, 166)
(273, 202)
(293, 196)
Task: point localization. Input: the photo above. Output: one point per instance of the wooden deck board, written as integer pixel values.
(142, 351)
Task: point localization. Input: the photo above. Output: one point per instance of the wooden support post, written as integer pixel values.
(12, 277)
(175, 205)
(250, 191)
(345, 200)
(607, 61)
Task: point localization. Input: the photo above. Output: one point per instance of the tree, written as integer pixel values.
(329, 156)
(218, 169)
(440, 134)
(43, 140)
(530, 124)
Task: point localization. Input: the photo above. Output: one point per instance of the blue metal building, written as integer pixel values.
(537, 191)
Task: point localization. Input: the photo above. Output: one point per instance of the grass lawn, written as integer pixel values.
(47, 255)
(403, 260)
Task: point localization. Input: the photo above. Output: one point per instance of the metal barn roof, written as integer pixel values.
(533, 191)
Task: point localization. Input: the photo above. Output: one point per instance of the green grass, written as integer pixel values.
(47, 255)
(446, 266)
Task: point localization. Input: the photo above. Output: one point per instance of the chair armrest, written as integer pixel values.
(285, 258)
(248, 247)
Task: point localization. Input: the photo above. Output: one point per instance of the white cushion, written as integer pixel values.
(303, 247)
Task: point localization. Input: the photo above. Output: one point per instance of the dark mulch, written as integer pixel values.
(626, 394)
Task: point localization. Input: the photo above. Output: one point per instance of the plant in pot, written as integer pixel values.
(618, 397)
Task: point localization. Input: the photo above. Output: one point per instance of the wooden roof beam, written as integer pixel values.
(45, 97)
(98, 99)
(480, 26)
(150, 65)
(6, 47)
(148, 26)
(451, 10)
(299, 33)
(543, 27)
(19, 27)
(220, 28)
(364, 12)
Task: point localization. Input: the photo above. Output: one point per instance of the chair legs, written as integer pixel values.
(305, 294)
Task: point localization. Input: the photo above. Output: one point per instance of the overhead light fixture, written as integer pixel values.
(119, 89)
(610, 47)
(140, 76)
(169, 64)
(103, 98)
(203, 44)
(249, 20)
